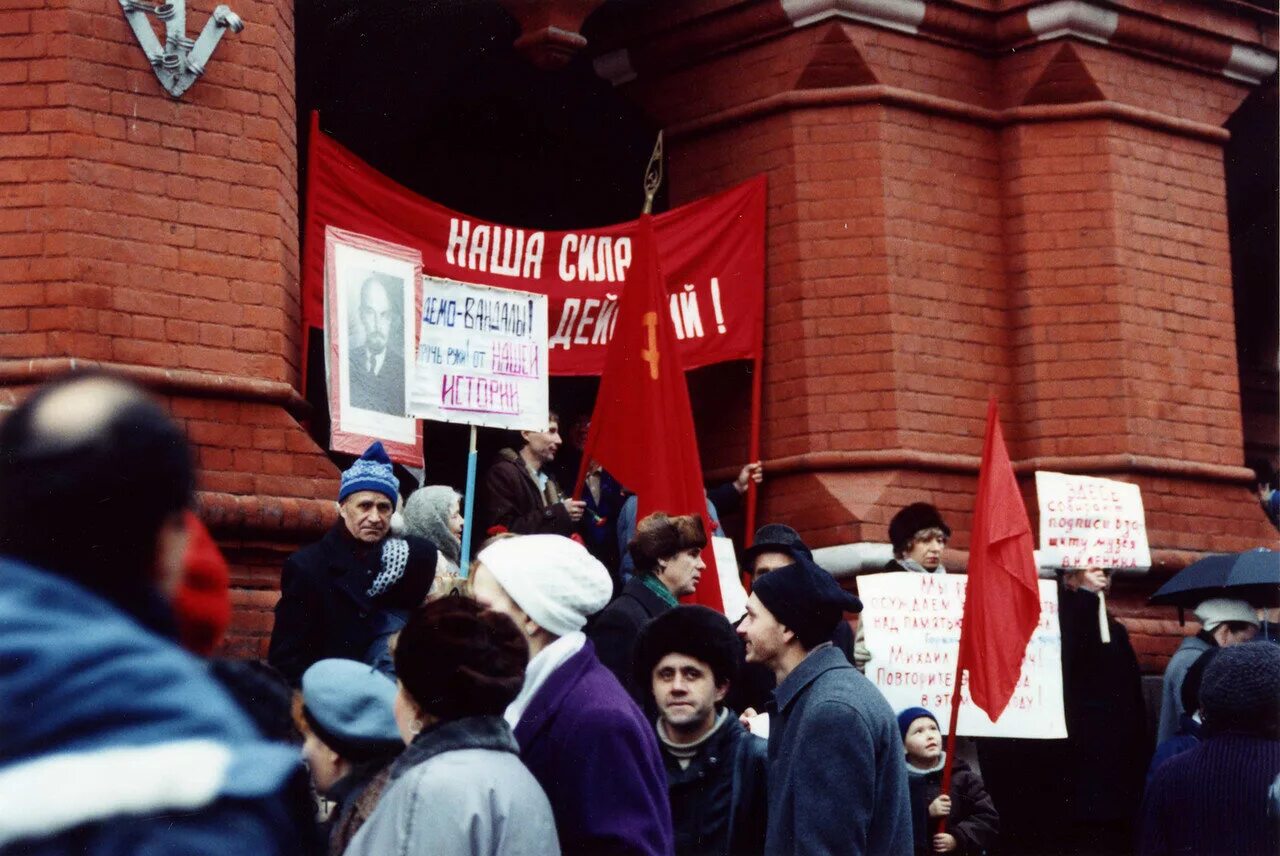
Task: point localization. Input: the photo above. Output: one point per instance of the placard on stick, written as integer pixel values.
(482, 356)
(1088, 522)
(912, 628)
(371, 300)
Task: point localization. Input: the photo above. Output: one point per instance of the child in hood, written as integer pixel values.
(972, 822)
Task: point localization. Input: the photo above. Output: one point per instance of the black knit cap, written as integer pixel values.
(776, 538)
(912, 519)
(1240, 690)
(694, 631)
(806, 600)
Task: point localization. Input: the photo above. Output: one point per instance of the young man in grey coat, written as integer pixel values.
(837, 782)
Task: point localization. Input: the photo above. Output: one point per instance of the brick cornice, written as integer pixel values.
(166, 381)
(896, 96)
(647, 47)
(910, 459)
(294, 518)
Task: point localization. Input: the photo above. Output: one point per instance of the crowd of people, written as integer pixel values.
(548, 698)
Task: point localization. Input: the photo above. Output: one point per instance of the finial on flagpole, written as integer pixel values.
(653, 175)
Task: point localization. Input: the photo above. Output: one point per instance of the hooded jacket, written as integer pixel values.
(113, 740)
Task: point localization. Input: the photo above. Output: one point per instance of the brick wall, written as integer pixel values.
(159, 236)
(949, 221)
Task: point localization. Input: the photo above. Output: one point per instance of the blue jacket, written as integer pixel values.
(590, 748)
(113, 740)
(837, 782)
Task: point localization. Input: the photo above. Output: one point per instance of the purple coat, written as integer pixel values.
(590, 748)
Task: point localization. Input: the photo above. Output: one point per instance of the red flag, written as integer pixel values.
(642, 426)
(1002, 599)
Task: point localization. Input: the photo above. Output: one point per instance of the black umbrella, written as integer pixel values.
(1252, 576)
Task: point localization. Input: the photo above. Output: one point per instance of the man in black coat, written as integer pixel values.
(686, 658)
(520, 493)
(333, 593)
(667, 552)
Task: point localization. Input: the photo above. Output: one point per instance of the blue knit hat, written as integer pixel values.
(350, 707)
(371, 471)
(910, 715)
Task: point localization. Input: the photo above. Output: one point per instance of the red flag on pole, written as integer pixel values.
(642, 426)
(1002, 594)
(1002, 600)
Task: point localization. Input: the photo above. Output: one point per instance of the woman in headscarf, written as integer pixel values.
(434, 513)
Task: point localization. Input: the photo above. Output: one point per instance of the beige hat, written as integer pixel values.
(553, 579)
(1219, 610)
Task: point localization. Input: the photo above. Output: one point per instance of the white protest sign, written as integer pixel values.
(732, 594)
(482, 356)
(912, 628)
(1088, 522)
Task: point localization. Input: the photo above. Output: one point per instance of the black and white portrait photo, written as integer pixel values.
(375, 358)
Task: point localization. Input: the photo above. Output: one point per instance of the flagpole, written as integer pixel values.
(951, 733)
(468, 508)
(652, 181)
(753, 445)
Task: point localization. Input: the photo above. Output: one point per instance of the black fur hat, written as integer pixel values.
(910, 520)
(694, 631)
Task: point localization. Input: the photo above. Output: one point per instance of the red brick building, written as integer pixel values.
(1068, 204)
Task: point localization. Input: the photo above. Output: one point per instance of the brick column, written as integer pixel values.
(1028, 204)
(160, 237)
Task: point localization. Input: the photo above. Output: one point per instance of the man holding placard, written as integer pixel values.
(520, 493)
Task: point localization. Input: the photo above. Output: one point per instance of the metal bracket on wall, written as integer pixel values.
(180, 60)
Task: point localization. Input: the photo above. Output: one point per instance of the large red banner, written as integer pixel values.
(711, 252)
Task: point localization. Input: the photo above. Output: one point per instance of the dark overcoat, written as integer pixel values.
(597, 758)
(615, 628)
(837, 781)
(324, 610)
(511, 499)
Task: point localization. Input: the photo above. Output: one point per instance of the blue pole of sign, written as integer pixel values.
(468, 507)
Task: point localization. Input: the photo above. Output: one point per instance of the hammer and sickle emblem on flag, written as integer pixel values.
(650, 354)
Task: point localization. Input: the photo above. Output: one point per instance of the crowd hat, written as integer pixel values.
(805, 599)
(1220, 610)
(553, 579)
(660, 536)
(914, 518)
(1240, 690)
(349, 705)
(371, 471)
(776, 538)
(910, 715)
(695, 631)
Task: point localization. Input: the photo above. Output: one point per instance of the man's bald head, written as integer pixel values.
(91, 472)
